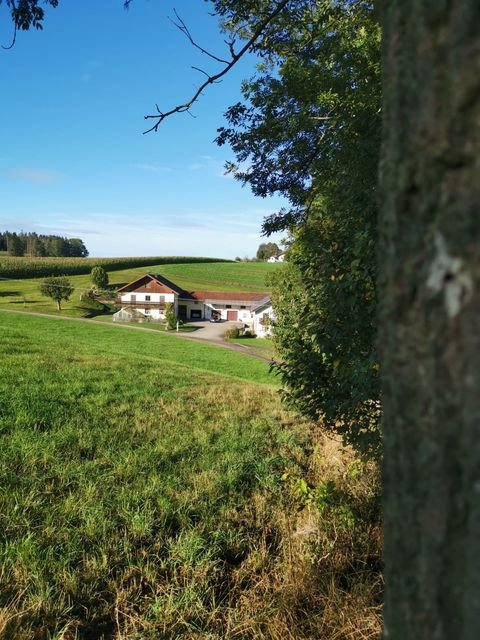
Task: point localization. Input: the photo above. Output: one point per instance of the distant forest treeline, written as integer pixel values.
(41, 246)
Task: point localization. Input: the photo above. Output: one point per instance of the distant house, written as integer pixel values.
(149, 295)
(280, 258)
(263, 318)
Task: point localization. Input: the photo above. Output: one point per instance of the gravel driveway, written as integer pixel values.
(211, 331)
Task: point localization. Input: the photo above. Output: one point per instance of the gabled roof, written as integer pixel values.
(263, 304)
(135, 284)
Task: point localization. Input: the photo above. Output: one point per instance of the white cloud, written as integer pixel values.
(30, 174)
(152, 168)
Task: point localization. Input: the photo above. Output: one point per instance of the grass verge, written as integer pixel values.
(142, 498)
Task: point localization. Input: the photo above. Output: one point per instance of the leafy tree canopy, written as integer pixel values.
(267, 250)
(99, 277)
(309, 130)
(58, 288)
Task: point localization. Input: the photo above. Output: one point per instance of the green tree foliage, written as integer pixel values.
(267, 250)
(99, 277)
(58, 288)
(28, 13)
(329, 367)
(14, 245)
(309, 130)
(35, 245)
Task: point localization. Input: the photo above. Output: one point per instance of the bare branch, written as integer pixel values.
(10, 46)
(184, 29)
(231, 44)
(181, 108)
(201, 71)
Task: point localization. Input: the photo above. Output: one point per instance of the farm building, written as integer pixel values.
(150, 294)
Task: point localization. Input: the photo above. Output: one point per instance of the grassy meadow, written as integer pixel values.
(156, 488)
(23, 294)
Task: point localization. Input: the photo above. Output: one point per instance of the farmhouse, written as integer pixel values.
(280, 258)
(149, 295)
(263, 318)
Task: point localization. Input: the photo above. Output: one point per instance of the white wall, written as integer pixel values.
(154, 297)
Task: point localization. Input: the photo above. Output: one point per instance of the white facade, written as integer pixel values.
(263, 320)
(131, 297)
(141, 302)
(280, 258)
(149, 296)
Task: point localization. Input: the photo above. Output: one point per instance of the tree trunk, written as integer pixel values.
(430, 317)
(59, 308)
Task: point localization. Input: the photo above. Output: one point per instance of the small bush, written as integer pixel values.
(99, 277)
(90, 306)
(232, 333)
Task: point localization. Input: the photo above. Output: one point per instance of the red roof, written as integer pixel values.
(226, 295)
(136, 285)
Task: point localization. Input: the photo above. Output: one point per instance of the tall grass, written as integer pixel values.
(26, 267)
(142, 498)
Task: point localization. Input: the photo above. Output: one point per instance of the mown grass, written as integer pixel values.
(24, 294)
(215, 276)
(148, 350)
(150, 490)
(153, 326)
(260, 346)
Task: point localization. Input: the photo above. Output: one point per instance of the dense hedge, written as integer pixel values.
(11, 267)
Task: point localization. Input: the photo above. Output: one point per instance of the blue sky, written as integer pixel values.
(73, 160)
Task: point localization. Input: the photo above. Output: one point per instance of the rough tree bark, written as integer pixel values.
(430, 317)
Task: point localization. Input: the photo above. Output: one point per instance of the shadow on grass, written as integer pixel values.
(22, 301)
(9, 294)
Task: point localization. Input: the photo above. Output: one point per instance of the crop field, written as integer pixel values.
(152, 488)
(23, 293)
(27, 267)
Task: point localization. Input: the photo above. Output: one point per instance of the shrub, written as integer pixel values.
(233, 332)
(99, 277)
(91, 306)
(170, 316)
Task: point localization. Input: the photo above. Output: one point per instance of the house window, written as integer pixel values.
(242, 306)
(161, 298)
(147, 298)
(228, 306)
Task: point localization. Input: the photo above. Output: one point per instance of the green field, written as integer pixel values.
(152, 488)
(261, 346)
(24, 295)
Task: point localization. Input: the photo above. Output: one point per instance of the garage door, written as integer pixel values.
(195, 314)
(232, 315)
